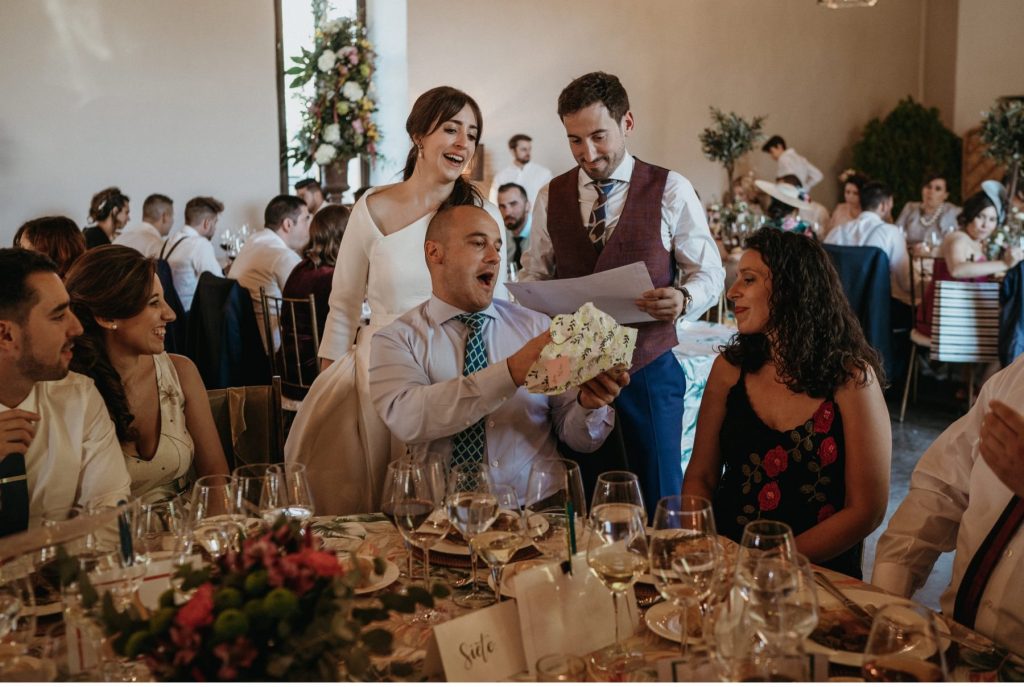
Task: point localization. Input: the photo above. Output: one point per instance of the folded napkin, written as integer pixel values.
(583, 345)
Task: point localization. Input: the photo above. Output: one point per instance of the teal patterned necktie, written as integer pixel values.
(468, 445)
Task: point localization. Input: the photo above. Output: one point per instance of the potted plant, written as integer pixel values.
(729, 139)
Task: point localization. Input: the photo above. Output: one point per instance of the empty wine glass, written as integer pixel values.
(472, 508)
(215, 516)
(287, 494)
(618, 486)
(785, 610)
(161, 530)
(555, 506)
(763, 539)
(618, 556)
(507, 534)
(903, 646)
(252, 489)
(414, 498)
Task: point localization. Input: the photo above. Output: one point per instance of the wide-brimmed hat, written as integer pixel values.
(996, 192)
(785, 193)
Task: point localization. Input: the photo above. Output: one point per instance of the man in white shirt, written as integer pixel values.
(966, 494)
(189, 251)
(522, 171)
(582, 224)
(312, 195)
(147, 237)
(58, 446)
(515, 212)
(448, 375)
(791, 162)
(269, 255)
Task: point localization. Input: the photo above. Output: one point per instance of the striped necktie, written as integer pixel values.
(13, 495)
(598, 224)
(468, 445)
(984, 561)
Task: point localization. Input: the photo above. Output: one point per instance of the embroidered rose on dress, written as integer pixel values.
(828, 451)
(826, 512)
(823, 417)
(776, 461)
(769, 496)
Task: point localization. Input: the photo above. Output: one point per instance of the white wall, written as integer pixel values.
(818, 74)
(988, 57)
(152, 96)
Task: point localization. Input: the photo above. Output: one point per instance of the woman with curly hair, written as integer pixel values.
(793, 426)
(157, 401)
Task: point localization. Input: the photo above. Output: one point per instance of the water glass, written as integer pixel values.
(554, 489)
(618, 486)
(472, 508)
(287, 494)
(561, 668)
(216, 519)
(904, 646)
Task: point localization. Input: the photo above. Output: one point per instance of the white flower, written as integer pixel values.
(326, 61)
(331, 26)
(352, 91)
(325, 154)
(332, 133)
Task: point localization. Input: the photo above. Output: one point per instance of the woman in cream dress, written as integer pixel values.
(337, 433)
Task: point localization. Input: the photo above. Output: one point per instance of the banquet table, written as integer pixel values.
(373, 534)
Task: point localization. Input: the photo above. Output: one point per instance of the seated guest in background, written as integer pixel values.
(530, 175)
(816, 215)
(314, 275)
(56, 237)
(447, 376)
(849, 209)
(269, 255)
(157, 401)
(54, 427)
(932, 214)
(312, 195)
(189, 252)
(793, 426)
(966, 494)
(147, 237)
(109, 212)
(783, 211)
(515, 212)
(791, 162)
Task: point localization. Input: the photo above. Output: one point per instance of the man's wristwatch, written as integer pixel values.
(687, 299)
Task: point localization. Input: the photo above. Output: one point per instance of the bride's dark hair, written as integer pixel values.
(431, 110)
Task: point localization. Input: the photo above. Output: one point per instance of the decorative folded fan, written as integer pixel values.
(583, 345)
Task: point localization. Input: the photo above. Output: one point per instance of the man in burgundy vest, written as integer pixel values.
(613, 210)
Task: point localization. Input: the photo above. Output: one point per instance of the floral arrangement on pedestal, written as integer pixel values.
(1010, 234)
(729, 139)
(338, 117)
(725, 218)
(278, 609)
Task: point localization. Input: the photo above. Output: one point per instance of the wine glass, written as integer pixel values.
(785, 612)
(903, 646)
(161, 530)
(762, 539)
(17, 615)
(618, 556)
(472, 509)
(414, 497)
(252, 485)
(618, 486)
(555, 507)
(684, 555)
(506, 535)
(215, 516)
(287, 494)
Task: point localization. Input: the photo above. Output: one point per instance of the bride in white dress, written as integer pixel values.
(337, 434)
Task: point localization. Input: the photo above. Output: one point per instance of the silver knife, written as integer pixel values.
(858, 611)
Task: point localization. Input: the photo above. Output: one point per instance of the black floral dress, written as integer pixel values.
(796, 476)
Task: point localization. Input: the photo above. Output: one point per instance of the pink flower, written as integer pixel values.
(357, 125)
(776, 461)
(198, 612)
(823, 417)
(324, 564)
(769, 496)
(827, 511)
(828, 451)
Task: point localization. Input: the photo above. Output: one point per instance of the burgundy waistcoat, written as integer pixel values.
(637, 237)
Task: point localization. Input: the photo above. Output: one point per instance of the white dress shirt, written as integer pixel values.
(871, 230)
(954, 501)
(418, 389)
(265, 260)
(530, 176)
(143, 237)
(791, 162)
(684, 233)
(190, 258)
(75, 457)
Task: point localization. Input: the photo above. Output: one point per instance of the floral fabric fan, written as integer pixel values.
(583, 345)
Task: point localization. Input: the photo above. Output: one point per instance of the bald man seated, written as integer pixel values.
(447, 377)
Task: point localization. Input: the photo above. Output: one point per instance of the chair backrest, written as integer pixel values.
(175, 340)
(864, 274)
(249, 422)
(293, 322)
(965, 328)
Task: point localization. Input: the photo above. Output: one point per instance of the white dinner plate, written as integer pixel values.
(378, 582)
(663, 620)
(864, 597)
(339, 534)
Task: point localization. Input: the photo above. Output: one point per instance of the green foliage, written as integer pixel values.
(899, 149)
(1002, 131)
(730, 138)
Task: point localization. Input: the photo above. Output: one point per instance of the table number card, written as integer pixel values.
(483, 646)
(568, 614)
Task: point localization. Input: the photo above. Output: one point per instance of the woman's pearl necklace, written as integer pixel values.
(927, 221)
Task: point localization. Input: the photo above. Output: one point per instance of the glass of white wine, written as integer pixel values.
(506, 535)
(618, 556)
(472, 509)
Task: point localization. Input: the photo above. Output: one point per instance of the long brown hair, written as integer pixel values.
(112, 282)
(431, 110)
(56, 237)
(325, 232)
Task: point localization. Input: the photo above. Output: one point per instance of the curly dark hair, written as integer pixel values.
(325, 232)
(818, 343)
(595, 87)
(108, 282)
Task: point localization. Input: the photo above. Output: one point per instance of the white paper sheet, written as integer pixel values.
(613, 291)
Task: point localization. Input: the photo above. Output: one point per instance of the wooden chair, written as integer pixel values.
(919, 268)
(292, 324)
(250, 423)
